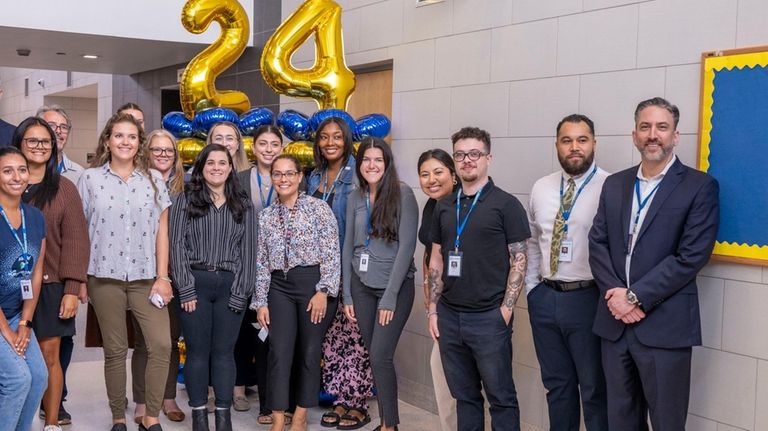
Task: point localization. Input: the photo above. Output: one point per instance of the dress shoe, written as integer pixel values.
(200, 420)
(223, 420)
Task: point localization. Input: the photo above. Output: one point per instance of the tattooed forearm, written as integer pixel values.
(435, 285)
(518, 263)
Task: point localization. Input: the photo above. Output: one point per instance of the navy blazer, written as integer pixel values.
(674, 242)
(6, 133)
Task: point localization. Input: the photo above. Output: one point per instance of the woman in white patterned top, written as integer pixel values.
(298, 270)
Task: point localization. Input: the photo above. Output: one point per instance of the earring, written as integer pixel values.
(454, 181)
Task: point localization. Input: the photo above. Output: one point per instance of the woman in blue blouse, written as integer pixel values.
(23, 372)
(347, 370)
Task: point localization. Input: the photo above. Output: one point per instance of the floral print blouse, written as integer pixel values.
(303, 236)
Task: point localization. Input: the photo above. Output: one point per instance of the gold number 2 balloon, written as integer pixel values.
(197, 87)
(329, 81)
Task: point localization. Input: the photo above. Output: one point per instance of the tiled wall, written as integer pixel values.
(515, 67)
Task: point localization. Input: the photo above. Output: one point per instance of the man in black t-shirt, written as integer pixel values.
(476, 273)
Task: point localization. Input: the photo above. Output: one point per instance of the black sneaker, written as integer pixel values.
(64, 417)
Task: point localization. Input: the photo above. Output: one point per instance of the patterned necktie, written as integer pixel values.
(559, 229)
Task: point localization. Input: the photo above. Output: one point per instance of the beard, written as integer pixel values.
(576, 167)
(662, 154)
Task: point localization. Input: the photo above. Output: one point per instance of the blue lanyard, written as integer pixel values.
(329, 190)
(261, 194)
(567, 211)
(368, 218)
(641, 203)
(24, 245)
(461, 225)
(61, 166)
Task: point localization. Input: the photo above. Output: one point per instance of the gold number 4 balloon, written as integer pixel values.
(329, 81)
(197, 89)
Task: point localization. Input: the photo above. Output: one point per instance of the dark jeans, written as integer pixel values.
(291, 330)
(209, 332)
(381, 341)
(569, 355)
(476, 351)
(244, 352)
(65, 357)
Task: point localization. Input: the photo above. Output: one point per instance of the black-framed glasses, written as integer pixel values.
(33, 143)
(160, 152)
(63, 128)
(277, 175)
(473, 155)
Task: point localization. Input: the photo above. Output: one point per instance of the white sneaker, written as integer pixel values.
(52, 428)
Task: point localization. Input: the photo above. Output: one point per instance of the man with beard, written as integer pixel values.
(562, 296)
(476, 273)
(654, 230)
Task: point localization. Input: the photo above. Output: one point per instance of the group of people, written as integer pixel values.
(260, 265)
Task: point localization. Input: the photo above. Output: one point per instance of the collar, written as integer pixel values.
(661, 174)
(486, 189)
(107, 169)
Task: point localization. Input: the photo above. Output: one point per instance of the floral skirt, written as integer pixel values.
(346, 366)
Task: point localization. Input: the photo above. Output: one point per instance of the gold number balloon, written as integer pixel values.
(329, 81)
(197, 87)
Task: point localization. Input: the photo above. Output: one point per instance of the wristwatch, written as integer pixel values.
(323, 290)
(26, 323)
(632, 298)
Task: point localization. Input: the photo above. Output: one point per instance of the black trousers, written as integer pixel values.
(291, 331)
(569, 355)
(646, 380)
(381, 341)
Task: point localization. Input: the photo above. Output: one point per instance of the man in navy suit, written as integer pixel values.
(6, 130)
(654, 230)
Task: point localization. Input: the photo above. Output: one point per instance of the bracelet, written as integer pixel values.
(165, 278)
(431, 313)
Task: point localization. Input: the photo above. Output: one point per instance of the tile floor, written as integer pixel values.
(88, 405)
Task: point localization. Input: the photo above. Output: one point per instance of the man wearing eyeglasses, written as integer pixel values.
(58, 119)
(476, 274)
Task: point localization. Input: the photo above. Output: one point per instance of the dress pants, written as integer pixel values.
(476, 350)
(446, 405)
(569, 356)
(291, 330)
(139, 358)
(644, 380)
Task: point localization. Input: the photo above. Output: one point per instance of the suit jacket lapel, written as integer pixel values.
(668, 184)
(626, 205)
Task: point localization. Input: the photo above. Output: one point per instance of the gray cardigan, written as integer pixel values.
(390, 263)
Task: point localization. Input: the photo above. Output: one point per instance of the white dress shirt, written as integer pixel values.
(543, 206)
(646, 186)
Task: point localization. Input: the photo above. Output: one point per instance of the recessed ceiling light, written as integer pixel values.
(90, 56)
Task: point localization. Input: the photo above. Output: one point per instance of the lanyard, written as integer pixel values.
(461, 225)
(261, 193)
(61, 166)
(24, 245)
(368, 218)
(567, 211)
(329, 189)
(287, 220)
(641, 203)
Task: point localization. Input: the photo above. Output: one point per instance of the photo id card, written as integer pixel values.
(566, 250)
(454, 263)
(364, 262)
(26, 289)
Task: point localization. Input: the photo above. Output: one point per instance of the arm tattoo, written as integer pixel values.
(435, 285)
(518, 263)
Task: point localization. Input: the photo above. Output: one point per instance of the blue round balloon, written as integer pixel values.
(294, 125)
(255, 118)
(377, 125)
(206, 118)
(320, 116)
(176, 123)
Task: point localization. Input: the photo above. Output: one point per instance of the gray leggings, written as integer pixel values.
(381, 341)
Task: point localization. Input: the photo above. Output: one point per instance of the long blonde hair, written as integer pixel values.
(240, 158)
(176, 179)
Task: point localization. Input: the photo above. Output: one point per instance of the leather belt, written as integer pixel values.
(209, 268)
(569, 286)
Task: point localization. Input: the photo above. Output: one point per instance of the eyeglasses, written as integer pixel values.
(160, 152)
(33, 143)
(473, 155)
(62, 128)
(277, 175)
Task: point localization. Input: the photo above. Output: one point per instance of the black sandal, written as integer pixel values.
(358, 423)
(336, 418)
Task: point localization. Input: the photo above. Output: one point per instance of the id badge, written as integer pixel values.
(364, 262)
(566, 250)
(454, 263)
(26, 289)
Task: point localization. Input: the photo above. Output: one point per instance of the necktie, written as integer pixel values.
(559, 229)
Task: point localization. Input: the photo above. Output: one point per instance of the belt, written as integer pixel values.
(569, 286)
(209, 268)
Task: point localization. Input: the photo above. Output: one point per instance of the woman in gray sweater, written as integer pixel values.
(377, 265)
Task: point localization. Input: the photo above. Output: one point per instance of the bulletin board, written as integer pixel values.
(733, 148)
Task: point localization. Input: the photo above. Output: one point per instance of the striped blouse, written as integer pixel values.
(214, 239)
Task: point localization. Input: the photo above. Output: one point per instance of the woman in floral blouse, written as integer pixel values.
(297, 283)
